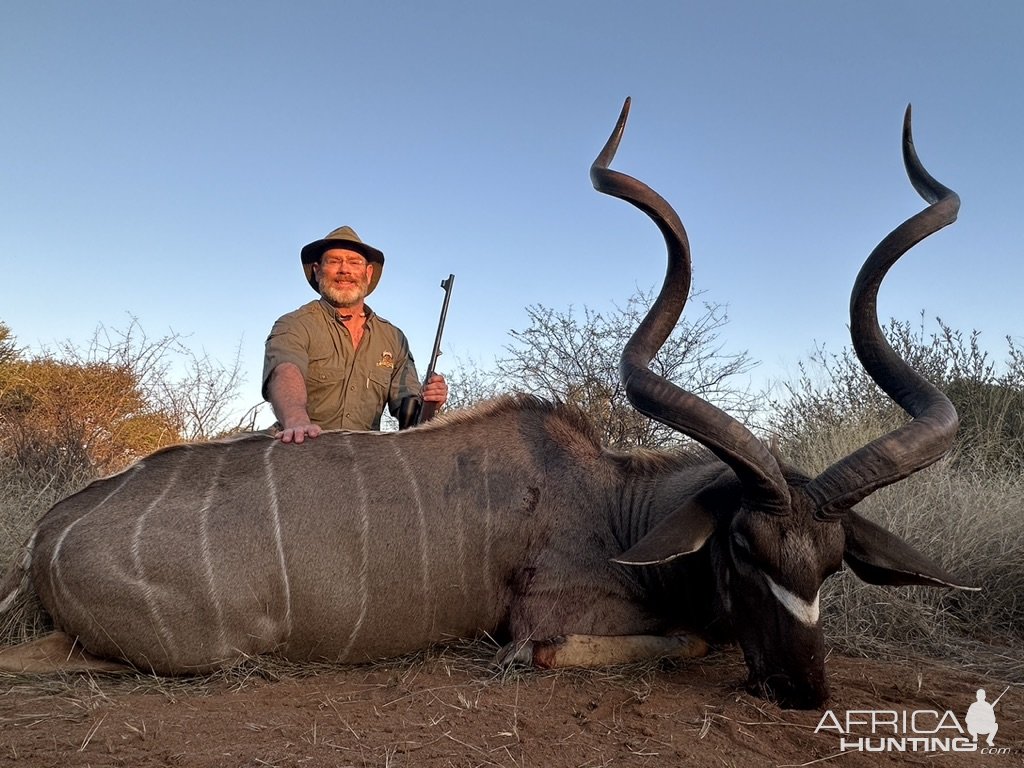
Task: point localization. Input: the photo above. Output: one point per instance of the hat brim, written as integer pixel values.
(311, 254)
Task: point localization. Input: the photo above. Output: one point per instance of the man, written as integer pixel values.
(981, 719)
(334, 363)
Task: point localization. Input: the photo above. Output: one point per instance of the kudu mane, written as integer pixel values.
(571, 428)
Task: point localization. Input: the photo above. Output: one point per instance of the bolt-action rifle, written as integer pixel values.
(414, 410)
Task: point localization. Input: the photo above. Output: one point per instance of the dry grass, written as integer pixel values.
(472, 659)
(34, 476)
(25, 495)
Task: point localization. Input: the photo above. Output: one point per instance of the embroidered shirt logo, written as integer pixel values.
(387, 360)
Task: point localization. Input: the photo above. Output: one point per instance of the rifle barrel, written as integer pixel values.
(427, 410)
(447, 286)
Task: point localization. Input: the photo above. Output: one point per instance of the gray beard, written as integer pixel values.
(333, 294)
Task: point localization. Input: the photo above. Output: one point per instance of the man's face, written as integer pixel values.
(343, 277)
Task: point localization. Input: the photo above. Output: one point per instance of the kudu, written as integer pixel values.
(508, 518)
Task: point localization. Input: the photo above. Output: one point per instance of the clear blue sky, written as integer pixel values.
(168, 160)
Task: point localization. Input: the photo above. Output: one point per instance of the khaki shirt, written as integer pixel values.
(346, 388)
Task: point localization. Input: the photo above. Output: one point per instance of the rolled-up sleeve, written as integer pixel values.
(288, 342)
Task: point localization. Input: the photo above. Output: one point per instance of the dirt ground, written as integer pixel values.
(449, 708)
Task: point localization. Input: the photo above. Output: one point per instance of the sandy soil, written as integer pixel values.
(448, 708)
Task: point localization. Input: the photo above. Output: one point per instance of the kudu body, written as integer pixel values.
(508, 518)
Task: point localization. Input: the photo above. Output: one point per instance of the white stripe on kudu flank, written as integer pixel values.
(428, 593)
(275, 522)
(488, 532)
(56, 582)
(163, 632)
(804, 612)
(207, 555)
(23, 560)
(364, 547)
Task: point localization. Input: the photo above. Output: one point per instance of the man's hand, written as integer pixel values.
(287, 390)
(298, 433)
(436, 390)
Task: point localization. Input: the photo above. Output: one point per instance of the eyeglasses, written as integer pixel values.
(355, 262)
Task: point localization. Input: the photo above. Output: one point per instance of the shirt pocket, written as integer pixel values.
(324, 382)
(324, 370)
(380, 380)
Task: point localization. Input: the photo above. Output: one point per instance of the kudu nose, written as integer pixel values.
(790, 693)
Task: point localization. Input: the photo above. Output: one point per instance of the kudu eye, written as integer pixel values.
(741, 546)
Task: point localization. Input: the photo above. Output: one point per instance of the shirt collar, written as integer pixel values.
(333, 311)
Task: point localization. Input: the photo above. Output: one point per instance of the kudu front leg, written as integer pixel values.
(55, 652)
(595, 651)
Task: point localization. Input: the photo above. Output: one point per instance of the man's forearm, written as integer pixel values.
(288, 397)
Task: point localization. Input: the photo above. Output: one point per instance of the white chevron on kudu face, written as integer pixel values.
(803, 611)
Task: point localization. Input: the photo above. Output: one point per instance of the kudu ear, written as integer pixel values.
(880, 557)
(687, 528)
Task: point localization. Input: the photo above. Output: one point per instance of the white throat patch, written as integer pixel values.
(804, 612)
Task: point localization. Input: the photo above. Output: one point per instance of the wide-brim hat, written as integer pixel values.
(342, 237)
